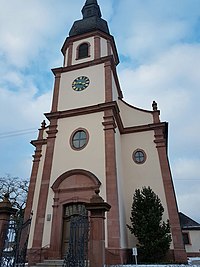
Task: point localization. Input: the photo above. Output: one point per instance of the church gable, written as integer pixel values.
(132, 116)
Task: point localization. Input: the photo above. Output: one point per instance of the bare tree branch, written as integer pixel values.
(16, 188)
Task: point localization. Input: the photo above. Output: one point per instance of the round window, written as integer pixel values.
(139, 156)
(79, 139)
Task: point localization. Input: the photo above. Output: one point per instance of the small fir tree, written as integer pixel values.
(146, 218)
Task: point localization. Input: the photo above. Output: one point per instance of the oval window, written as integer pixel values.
(79, 139)
(139, 156)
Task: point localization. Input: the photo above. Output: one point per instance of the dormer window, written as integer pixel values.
(83, 50)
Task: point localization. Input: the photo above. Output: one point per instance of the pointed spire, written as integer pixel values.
(91, 9)
(91, 20)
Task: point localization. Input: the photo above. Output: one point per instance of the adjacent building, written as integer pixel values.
(191, 235)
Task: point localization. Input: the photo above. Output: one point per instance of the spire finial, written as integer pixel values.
(91, 9)
(43, 124)
(154, 106)
(89, 2)
(96, 198)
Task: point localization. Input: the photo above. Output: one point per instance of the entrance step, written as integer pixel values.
(49, 263)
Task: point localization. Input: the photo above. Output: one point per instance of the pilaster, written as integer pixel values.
(97, 47)
(97, 208)
(40, 215)
(56, 92)
(179, 250)
(111, 180)
(36, 162)
(108, 82)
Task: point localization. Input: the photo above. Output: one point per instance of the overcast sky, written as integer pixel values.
(158, 43)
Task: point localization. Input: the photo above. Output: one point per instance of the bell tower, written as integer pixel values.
(95, 141)
(87, 48)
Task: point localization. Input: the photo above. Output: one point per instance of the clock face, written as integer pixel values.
(80, 83)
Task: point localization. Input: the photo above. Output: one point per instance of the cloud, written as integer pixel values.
(158, 42)
(187, 168)
(168, 80)
(23, 110)
(187, 184)
(173, 81)
(31, 28)
(149, 29)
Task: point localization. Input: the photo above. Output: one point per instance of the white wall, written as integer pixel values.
(194, 236)
(35, 204)
(132, 116)
(91, 158)
(138, 175)
(93, 94)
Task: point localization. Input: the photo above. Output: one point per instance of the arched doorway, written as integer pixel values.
(71, 191)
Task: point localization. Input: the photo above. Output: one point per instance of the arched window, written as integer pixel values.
(83, 50)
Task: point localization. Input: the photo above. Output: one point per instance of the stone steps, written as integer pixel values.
(58, 263)
(49, 263)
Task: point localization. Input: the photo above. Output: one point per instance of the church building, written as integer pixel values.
(94, 140)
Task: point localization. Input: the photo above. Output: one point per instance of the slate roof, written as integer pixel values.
(187, 223)
(91, 20)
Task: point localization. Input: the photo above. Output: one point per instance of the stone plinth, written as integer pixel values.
(97, 208)
(5, 211)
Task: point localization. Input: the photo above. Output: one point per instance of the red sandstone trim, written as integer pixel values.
(108, 82)
(113, 223)
(179, 251)
(107, 106)
(36, 161)
(40, 215)
(56, 93)
(67, 174)
(65, 196)
(92, 34)
(69, 55)
(83, 65)
(143, 128)
(193, 254)
(97, 47)
(114, 256)
(109, 47)
(83, 111)
(38, 142)
(156, 112)
(89, 50)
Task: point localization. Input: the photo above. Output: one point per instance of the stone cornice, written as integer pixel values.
(116, 112)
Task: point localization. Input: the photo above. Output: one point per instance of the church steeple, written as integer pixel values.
(90, 9)
(91, 20)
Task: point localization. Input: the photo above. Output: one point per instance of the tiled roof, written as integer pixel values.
(187, 223)
(91, 20)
